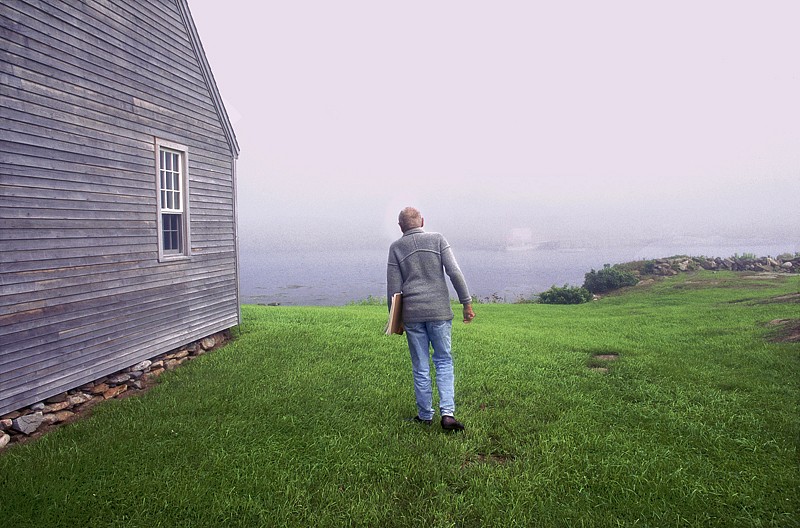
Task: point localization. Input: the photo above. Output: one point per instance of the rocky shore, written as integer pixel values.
(786, 263)
(36, 420)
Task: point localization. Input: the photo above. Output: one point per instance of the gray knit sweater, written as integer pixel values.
(417, 264)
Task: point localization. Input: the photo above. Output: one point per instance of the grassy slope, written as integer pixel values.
(300, 423)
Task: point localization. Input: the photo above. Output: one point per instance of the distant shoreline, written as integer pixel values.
(342, 276)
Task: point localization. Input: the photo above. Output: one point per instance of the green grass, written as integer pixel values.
(299, 422)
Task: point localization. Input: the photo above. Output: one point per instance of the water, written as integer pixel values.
(334, 278)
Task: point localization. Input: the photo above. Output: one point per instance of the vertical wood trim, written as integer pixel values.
(235, 196)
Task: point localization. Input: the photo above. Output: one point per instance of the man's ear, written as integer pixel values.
(423, 222)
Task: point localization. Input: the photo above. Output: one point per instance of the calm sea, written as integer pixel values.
(335, 278)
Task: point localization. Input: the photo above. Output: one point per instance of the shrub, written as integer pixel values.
(637, 267)
(566, 295)
(607, 279)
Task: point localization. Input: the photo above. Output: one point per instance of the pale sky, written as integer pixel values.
(575, 119)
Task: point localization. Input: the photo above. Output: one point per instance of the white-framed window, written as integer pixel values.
(173, 198)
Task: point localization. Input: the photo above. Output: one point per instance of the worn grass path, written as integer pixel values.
(299, 422)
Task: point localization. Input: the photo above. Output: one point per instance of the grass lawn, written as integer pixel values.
(690, 418)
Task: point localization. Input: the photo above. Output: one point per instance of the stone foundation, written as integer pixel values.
(36, 420)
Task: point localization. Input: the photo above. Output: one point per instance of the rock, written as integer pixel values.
(155, 373)
(28, 424)
(118, 379)
(11, 415)
(113, 392)
(55, 407)
(171, 364)
(786, 265)
(100, 388)
(136, 373)
(136, 384)
(208, 342)
(4, 440)
(57, 417)
(58, 398)
(142, 365)
(78, 398)
(37, 406)
(5, 424)
(180, 355)
(156, 365)
(62, 416)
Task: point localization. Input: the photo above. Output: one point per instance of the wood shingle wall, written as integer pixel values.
(88, 86)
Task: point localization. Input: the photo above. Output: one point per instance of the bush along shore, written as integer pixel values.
(36, 420)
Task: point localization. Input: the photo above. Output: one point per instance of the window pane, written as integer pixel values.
(171, 232)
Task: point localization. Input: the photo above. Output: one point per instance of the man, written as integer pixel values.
(417, 264)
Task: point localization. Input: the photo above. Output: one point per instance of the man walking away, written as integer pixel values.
(418, 262)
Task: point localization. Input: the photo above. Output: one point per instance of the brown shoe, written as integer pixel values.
(451, 424)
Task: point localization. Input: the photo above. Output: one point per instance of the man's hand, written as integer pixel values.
(469, 315)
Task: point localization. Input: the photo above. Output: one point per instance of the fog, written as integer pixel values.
(588, 123)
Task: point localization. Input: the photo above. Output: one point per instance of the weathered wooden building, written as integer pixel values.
(117, 192)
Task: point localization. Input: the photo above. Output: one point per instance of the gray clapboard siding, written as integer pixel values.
(91, 46)
(80, 312)
(59, 345)
(84, 100)
(87, 352)
(107, 287)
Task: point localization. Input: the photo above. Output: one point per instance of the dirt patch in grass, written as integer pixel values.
(488, 458)
(606, 357)
(786, 331)
(760, 275)
(788, 298)
(600, 360)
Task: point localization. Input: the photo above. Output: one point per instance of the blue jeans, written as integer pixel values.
(420, 337)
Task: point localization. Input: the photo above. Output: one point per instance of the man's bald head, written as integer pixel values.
(410, 218)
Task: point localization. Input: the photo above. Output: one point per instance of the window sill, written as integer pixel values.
(177, 258)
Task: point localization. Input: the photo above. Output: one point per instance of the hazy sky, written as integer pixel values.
(614, 119)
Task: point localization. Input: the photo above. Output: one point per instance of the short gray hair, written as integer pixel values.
(409, 218)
